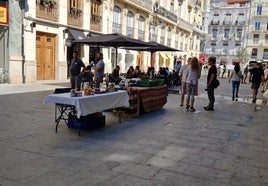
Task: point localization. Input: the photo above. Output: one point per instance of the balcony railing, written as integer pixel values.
(117, 27)
(95, 22)
(167, 14)
(152, 37)
(141, 35)
(162, 40)
(75, 16)
(255, 41)
(47, 10)
(130, 31)
(185, 25)
(265, 56)
(148, 4)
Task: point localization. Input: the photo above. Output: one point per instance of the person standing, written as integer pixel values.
(75, 71)
(192, 75)
(235, 76)
(99, 70)
(211, 77)
(223, 71)
(182, 76)
(256, 77)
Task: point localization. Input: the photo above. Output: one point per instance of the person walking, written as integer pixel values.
(223, 71)
(256, 77)
(182, 76)
(211, 77)
(75, 71)
(235, 76)
(99, 70)
(192, 75)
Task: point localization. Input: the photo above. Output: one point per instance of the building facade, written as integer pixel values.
(227, 31)
(40, 32)
(257, 46)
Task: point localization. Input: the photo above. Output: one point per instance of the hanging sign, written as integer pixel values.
(3, 15)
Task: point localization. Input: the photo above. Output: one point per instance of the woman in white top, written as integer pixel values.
(235, 76)
(192, 76)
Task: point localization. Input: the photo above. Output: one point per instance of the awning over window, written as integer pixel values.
(77, 34)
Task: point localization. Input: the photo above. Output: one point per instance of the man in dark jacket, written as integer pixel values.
(256, 77)
(212, 75)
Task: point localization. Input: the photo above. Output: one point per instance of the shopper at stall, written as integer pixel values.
(235, 76)
(192, 75)
(98, 70)
(115, 76)
(75, 71)
(131, 73)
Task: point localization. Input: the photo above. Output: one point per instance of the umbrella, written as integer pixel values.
(115, 40)
(153, 48)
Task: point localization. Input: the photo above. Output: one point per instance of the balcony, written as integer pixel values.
(255, 41)
(265, 56)
(166, 14)
(260, 14)
(130, 31)
(162, 40)
(240, 22)
(95, 22)
(47, 10)
(147, 4)
(75, 17)
(227, 22)
(117, 28)
(185, 25)
(152, 37)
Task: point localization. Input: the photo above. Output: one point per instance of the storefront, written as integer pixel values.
(4, 71)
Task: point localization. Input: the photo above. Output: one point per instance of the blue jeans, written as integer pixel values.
(75, 82)
(235, 85)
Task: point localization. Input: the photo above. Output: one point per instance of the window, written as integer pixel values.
(239, 33)
(255, 38)
(117, 19)
(240, 19)
(130, 23)
(215, 19)
(214, 32)
(226, 33)
(259, 9)
(254, 52)
(265, 54)
(213, 47)
(172, 6)
(227, 19)
(95, 8)
(162, 37)
(141, 24)
(266, 38)
(257, 25)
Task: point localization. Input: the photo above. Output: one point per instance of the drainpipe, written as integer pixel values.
(22, 6)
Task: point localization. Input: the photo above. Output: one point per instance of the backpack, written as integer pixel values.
(216, 83)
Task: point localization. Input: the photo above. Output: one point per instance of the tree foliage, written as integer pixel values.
(242, 55)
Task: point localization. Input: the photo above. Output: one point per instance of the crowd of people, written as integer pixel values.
(187, 74)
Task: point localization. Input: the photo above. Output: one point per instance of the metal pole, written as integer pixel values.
(22, 6)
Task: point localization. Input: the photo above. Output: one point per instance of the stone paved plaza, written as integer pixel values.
(228, 146)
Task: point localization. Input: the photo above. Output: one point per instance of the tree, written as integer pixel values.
(242, 55)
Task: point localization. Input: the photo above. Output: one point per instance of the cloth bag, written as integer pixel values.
(265, 94)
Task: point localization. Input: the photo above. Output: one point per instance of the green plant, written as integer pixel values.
(242, 55)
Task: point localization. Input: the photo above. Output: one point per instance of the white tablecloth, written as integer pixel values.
(91, 104)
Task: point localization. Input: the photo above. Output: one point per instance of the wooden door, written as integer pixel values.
(45, 56)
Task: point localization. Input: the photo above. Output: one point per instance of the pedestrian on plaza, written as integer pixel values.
(192, 75)
(256, 77)
(211, 77)
(245, 74)
(223, 71)
(265, 84)
(98, 70)
(182, 76)
(75, 71)
(235, 76)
